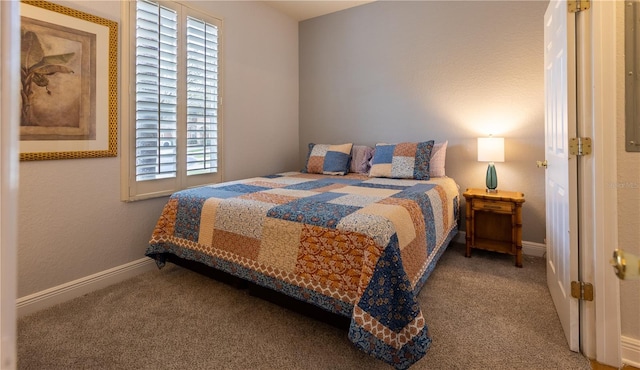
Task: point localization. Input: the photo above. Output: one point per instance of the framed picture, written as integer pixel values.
(69, 83)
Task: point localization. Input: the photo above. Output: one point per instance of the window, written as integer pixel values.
(174, 110)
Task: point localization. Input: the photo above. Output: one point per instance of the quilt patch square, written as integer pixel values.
(389, 281)
(165, 226)
(424, 202)
(383, 154)
(313, 211)
(385, 181)
(414, 257)
(405, 150)
(265, 184)
(242, 188)
(420, 188)
(355, 200)
(398, 215)
(239, 216)
(280, 244)
(381, 192)
(308, 185)
(372, 225)
(266, 197)
(188, 213)
(208, 221)
(293, 193)
(240, 245)
(317, 185)
(375, 185)
(402, 167)
(330, 187)
(332, 258)
(212, 191)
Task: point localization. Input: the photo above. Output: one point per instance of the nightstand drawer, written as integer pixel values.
(492, 205)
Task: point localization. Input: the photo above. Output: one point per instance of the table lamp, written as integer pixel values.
(491, 149)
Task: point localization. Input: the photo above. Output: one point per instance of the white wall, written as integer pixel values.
(395, 71)
(71, 221)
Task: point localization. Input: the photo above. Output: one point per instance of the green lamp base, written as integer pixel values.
(492, 179)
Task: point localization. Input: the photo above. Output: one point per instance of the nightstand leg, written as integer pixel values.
(517, 231)
(469, 235)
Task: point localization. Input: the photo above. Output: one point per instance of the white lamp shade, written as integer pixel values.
(490, 149)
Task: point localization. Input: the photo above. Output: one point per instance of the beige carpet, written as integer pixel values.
(482, 312)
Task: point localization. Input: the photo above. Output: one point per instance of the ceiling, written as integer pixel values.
(305, 9)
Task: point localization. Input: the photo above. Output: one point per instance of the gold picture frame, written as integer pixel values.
(69, 83)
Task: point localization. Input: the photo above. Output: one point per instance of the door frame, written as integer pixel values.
(9, 166)
(605, 74)
(600, 320)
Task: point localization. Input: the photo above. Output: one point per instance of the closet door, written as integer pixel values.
(561, 176)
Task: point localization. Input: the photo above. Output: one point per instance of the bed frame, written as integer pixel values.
(275, 297)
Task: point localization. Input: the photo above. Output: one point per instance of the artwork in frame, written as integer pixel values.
(69, 88)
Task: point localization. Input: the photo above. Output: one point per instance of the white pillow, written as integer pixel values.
(438, 155)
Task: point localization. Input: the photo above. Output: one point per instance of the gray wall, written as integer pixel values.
(72, 223)
(395, 71)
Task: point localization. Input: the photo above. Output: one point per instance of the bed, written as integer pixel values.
(354, 245)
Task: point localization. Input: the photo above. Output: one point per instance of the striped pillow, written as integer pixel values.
(328, 159)
(402, 160)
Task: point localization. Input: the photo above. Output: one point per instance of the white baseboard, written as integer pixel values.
(630, 351)
(73, 289)
(528, 248)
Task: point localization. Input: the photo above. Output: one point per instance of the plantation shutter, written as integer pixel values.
(174, 133)
(202, 96)
(156, 91)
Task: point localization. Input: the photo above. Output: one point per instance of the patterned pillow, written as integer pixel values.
(402, 160)
(438, 155)
(328, 159)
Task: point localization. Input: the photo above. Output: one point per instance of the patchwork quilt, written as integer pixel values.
(358, 246)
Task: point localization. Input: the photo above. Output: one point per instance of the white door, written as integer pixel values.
(561, 173)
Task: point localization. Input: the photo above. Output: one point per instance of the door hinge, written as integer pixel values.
(581, 290)
(576, 6)
(580, 146)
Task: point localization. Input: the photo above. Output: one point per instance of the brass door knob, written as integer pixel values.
(541, 164)
(625, 265)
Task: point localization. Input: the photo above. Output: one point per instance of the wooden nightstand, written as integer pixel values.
(494, 222)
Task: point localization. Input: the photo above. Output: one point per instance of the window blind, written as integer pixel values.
(160, 129)
(202, 96)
